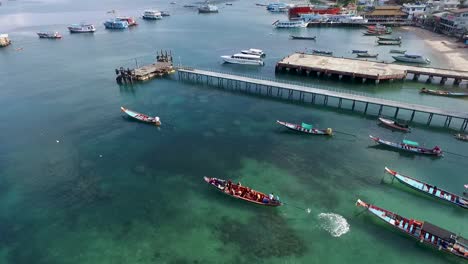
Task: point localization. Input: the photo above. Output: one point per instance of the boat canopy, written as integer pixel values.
(438, 232)
(306, 126)
(411, 143)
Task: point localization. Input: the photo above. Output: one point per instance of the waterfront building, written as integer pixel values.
(386, 14)
(413, 10)
(454, 22)
(441, 5)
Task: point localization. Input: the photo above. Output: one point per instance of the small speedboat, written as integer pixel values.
(82, 28)
(367, 55)
(207, 8)
(442, 93)
(394, 124)
(462, 137)
(141, 117)
(242, 192)
(303, 38)
(49, 35)
(306, 128)
(322, 52)
(359, 51)
(412, 59)
(257, 52)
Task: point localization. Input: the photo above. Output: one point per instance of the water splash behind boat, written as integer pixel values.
(335, 224)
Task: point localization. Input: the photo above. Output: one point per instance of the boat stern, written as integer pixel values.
(361, 203)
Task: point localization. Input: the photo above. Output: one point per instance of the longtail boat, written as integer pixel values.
(398, 51)
(141, 117)
(322, 52)
(304, 38)
(429, 189)
(425, 232)
(409, 146)
(442, 93)
(367, 55)
(461, 137)
(388, 42)
(241, 192)
(359, 51)
(394, 124)
(306, 128)
(390, 38)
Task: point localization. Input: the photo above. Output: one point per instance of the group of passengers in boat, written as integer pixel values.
(249, 194)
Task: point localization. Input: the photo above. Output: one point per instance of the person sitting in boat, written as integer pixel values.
(436, 149)
(157, 121)
(271, 196)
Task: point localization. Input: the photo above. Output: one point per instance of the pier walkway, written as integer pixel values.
(299, 93)
(308, 64)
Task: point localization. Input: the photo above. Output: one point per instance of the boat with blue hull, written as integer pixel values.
(429, 189)
(427, 233)
(409, 146)
(116, 24)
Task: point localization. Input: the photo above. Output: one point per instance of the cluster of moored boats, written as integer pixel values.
(424, 231)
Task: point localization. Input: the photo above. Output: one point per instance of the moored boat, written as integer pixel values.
(290, 24)
(423, 231)
(4, 40)
(130, 20)
(360, 51)
(82, 28)
(277, 7)
(116, 24)
(306, 128)
(141, 117)
(242, 192)
(207, 8)
(302, 37)
(429, 189)
(442, 93)
(322, 52)
(152, 15)
(390, 38)
(463, 137)
(398, 51)
(389, 42)
(409, 146)
(244, 59)
(412, 59)
(257, 52)
(367, 55)
(49, 35)
(395, 125)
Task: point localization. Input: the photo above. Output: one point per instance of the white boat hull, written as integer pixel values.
(410, 60)
(228, 59)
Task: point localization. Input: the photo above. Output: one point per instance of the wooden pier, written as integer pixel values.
(320, 96)
(162, 66)
(364, 70)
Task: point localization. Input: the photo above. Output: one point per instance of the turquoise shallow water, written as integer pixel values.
(116, 191)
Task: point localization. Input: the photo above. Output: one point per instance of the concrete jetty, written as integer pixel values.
(317, 96)
(308, 64)
(161, 67)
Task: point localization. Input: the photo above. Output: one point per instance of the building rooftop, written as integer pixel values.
(387, 12)
(395, 7)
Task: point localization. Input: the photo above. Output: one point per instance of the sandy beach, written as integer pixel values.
(447, 47)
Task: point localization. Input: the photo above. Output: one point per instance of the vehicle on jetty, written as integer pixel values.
(412, 59)
(429, 189)
(116, 24)
(359, 51)
(390, 38)
(130, 20)
(322, 52)
(244, 59)
(367, 55)
(49, 35)
(207, 8)
(82, 28)
(257, 52)
(409, 146)
(303, 38)
(306, 128)
(290, 24)
(389, 42)
(442, 93)
(152, 15)
(277, 7)
(4, 40)
(398, 51)
(462, 137)
(423, 231)
(394, 124)
(242, 192)
(141, 117)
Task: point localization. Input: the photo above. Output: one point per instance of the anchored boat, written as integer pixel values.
(116, 24)
(429, 189)
(242, 192)
(152, 15)
(306, 128)
(442, 93)
(130, 20)
(398, 51)
(462, 137)
(389, 42)
(141, 117)
(394, 124)
(390, 38)
(82, 28)
(207, 8)
(412, 59)
(244, 59)
(409, 146)
(290, 24)
(367, 55)
(49, 35)
(360, 51)
(423, 231)
(322, 52)
(257, 52)
(4, 40)
(303, 38)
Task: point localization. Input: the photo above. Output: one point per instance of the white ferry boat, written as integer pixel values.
(245, 59)
(412, 59)
(207, 8)
(152, 15)
(290, 24)
(257, 52)
(82, 28)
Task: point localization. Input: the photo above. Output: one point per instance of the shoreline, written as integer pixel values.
(445, 46)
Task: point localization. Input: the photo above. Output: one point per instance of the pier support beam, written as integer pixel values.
(447, 121)
(313, 99)
(365, 109)
(396, 112)
(443, 80)
(457, 81)
(416, 77)
(340, 77)
(339, 102)
(430, 79)
(430, 118)
(377, 81)
(364, 80)
(354, 104)
(380, 109)
(464, 125)
(412, 115)
(325, 100)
